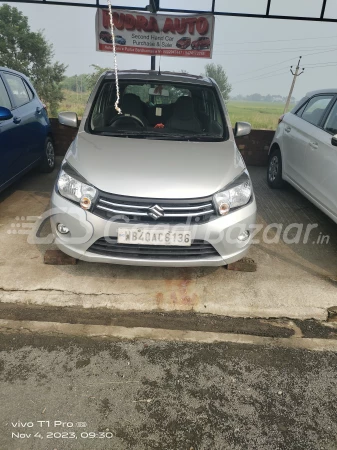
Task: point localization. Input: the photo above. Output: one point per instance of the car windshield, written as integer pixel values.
(170, 111)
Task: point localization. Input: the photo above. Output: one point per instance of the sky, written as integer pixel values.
(256, 53)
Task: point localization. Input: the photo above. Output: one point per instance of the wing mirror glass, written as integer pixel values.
(242, 129)
(69, 119)
(334, 140)
(5, 113)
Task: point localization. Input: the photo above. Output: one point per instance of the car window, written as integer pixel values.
(170, 111)
(143, 92)
(300, 111)
(29, 91)
(315, 109)
(18, 89)
(4, 98)
(331, 123)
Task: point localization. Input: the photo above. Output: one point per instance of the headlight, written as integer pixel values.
(75, 190)
(235, 195)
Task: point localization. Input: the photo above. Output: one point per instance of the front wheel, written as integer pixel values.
(274, 173)
(48, 159)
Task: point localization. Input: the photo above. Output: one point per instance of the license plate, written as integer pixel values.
(154, 237)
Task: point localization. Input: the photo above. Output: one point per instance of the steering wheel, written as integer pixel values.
(127, 116)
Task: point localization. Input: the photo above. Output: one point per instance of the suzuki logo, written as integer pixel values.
(156, 212)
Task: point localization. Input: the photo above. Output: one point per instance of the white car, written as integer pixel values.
(304, 150)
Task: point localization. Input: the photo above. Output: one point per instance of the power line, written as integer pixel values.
(274, 51)
(261, 78)
(287, 60)
(279, 40)
(318, 67)
(323, 62)
(266, 67)
(319, 53)
(275, 74)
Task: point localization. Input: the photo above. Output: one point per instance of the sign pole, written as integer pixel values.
(153, 63)
(153, 7)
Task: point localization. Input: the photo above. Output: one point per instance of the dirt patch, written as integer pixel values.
(166, 320)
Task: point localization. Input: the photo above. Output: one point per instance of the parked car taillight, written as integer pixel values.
(280, 118)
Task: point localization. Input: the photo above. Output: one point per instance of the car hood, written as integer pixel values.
(155, 168)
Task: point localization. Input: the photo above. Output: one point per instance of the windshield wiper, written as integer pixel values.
(126, 134)
(195, 137)
(207, 138)
(162, 136)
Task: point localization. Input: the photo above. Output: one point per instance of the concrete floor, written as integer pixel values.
(295, 281)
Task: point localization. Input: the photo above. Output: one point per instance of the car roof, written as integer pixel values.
(310, 94)
(161, 77)
(6, 69)
(322, 91)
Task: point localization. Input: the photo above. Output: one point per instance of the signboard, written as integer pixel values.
(156, 34)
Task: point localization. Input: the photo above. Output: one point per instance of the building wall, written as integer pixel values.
(254, 148)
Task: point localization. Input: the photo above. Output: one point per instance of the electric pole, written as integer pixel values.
(296, 74)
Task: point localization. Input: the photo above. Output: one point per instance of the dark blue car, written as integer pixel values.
(25, 133)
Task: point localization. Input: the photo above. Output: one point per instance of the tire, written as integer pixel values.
(274, 172)
(48, 159)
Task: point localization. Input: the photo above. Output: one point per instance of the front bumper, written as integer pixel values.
(86, 228)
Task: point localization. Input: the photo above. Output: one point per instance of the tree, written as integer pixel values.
(76, 83)
(218, 73)
(29, 52)
(93, 77)
(255, 97)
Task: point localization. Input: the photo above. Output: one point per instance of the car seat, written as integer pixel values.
(184, 117)
(133, 106)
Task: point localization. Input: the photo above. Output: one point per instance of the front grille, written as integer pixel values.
(138, 210)
(198, 250)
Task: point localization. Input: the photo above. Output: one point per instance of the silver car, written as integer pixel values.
(162, 184)
(304, 150)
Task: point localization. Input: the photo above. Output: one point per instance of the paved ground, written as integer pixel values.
(287, 206)
(164, 396)
(293, 280)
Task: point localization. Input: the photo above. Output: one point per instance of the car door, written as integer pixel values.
(292, 148)
(298, 139)
(25, 117)
(39, 123)
(322, 162)
(10, 140)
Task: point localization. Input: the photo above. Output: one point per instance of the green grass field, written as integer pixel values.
(74, 102)
(260, 115)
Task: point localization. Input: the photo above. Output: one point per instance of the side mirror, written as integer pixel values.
(242, 129)
(69, 119)
(5, 113)
(334, 140)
